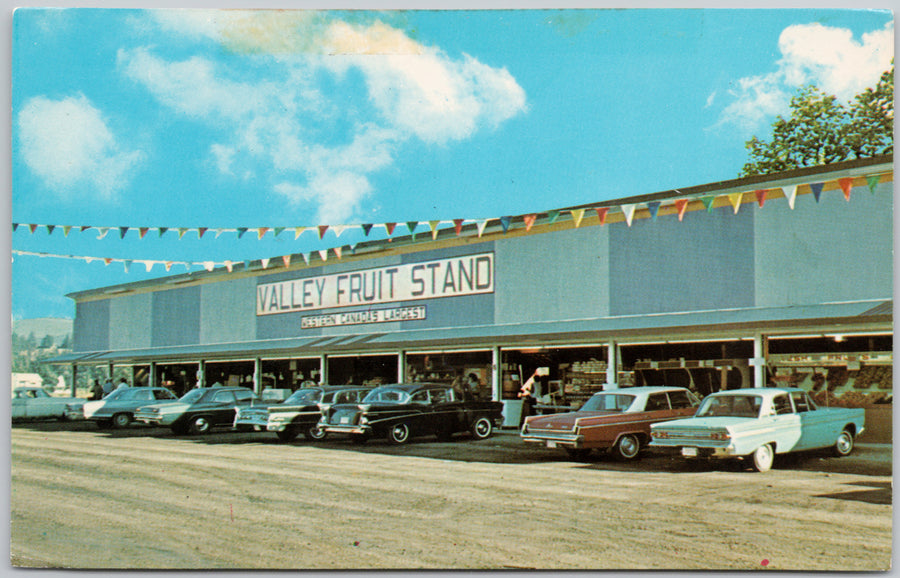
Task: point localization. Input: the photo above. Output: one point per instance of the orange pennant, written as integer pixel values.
(681, 205)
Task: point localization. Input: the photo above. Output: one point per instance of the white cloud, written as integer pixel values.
(322, 146)
(67, 144)
(827, 57)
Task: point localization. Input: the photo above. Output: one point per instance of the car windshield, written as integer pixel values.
(307, 395)
(387, 395)
(608, 402)
(192, 396)
(730, 406)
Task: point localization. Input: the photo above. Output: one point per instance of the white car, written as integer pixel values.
(36, 403)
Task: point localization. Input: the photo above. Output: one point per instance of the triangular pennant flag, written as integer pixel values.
(708, 202)
(505, 223)
(168, 265)
(577, 216)
(790, 191)
(32, 228)
(366, 228)
(143, 231)
(181, 232)
(872, 181)
(601, 212)
(817, 190)
(66, 229)
(209, 265)
(323, 254)
(103, 232)
(90, 260)
(653, 207)
(735, 200)
(389, 227)
(147, 264)
(107, 260)
(847, 186)
(339, 252)
(760, 197)
(127, 264)
(305, 257)
(162, 230)
(50, 229)
(629, 212)
(15, 226)
(411, 225)
(122, 231)
(353, 248)
(529, 221)
(338, 229)
(681, 206)
(264, 262)
(262, 232)
(298, 231)
(552, 216)
(434, 228)
(85, 228)
(457, 225)
(241, 231)
(278, 230)
(201, 231)
(322, 229)
(481, 226)
(229, 265)
(286, 259)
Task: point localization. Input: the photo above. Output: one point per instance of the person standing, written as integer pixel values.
(96, 390)
(122, 383)
(108, 386)
(526, 394)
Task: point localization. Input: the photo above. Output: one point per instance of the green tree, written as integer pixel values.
(821, 130)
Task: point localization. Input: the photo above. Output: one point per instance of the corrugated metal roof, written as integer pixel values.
(713, 322)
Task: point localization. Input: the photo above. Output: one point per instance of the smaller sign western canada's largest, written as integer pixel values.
(453, 277)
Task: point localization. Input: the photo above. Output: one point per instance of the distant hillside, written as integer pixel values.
(54, 327)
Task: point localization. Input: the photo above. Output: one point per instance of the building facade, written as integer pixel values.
(783, 278)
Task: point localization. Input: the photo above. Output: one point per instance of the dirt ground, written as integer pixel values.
(145, 498)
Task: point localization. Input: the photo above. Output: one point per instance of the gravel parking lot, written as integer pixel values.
(145, 498)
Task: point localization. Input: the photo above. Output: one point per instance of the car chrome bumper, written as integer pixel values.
(251, 421)
(347, 429)
(554, 440)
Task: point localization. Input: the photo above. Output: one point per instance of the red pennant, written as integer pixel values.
(200, 232)
(601, 212)
(263, 231)
(389, 227)
(681, 205)
(287, 260)
(846, 186)
(143, 231)
(457, 225)
(322, 229)
(529, 221)
(761, 197)
(32, 228)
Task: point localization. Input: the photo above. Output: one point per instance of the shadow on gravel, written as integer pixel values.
(504, 447)
(880, 494)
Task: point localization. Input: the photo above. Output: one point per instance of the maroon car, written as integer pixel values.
(617, 419)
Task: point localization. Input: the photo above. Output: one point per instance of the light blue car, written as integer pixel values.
(758, 423)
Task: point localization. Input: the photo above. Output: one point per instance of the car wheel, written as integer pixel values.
(763, 458)
(399, 433)
(121, 420)
(315, 433)
(482, 428)
(844, 444)
(578, 454)
(287, 434)
(200, 425)
(628, 447)
(359, 438)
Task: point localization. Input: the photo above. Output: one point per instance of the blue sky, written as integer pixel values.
(227, 119)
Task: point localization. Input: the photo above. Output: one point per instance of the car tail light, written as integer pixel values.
(720, 435)
(659, 434)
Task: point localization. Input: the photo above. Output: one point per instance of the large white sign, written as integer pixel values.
(467, 275)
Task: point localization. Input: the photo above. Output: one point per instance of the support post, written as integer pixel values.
(257, 376)
(496, 374)
(760, 359)
(612, 365)
(74, 379)
(323, 370)
(401, 366)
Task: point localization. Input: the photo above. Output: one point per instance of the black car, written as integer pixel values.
(400, 412)
(199, 410)
(300, 412)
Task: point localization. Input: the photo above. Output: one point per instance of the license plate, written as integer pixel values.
(345, 419)
(689, 452)
(551, 444)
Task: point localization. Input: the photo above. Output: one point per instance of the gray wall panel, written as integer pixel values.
(129, 321)
(704, 262)
(176, 317)
(228, 311)
(561, 275)
(833, 250)
(91, 326)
